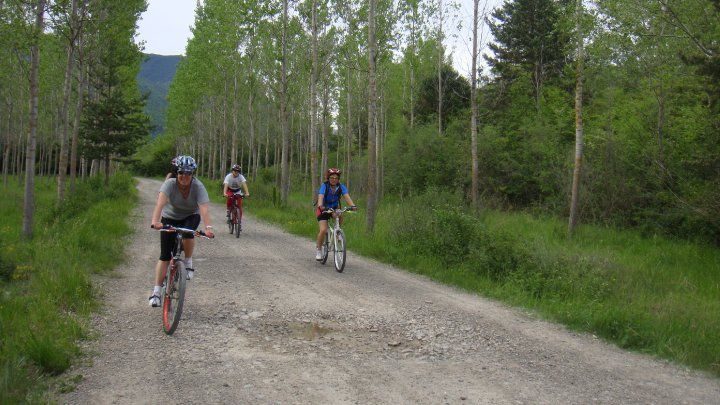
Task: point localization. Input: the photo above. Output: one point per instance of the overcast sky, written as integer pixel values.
(165, 29)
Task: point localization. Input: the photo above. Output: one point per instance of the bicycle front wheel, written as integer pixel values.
(175, 282)
(231, 223)
(339, 251)
(325, 248)
(236, 220)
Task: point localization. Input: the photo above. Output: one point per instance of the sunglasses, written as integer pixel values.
(185, 173)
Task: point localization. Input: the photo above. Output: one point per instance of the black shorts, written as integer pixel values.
(167, 239)
(322, 216)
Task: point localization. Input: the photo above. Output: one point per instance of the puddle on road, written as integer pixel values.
(308, 330)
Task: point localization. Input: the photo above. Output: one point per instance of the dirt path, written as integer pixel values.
(265, 323)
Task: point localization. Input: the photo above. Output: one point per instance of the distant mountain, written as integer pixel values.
(156, 74)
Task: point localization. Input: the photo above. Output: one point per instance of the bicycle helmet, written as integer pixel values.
(236, 168)
(186, 164)
(331, 171)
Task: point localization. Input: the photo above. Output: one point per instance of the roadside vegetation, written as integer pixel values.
(649, 294)
(46, 293)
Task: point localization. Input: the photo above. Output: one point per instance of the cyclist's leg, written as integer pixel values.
(228, 201)
(167, 242)
(321, 234)
(190, 222)
(239, 204)
(323, 225)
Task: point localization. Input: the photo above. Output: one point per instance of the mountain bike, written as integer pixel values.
(335, 239)
(173, 290)
(235, 219)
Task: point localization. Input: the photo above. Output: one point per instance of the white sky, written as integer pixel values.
(165, 26)
(165, 29)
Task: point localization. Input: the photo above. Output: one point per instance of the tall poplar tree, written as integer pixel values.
(29, 200)
(579, 129)
(372, 129)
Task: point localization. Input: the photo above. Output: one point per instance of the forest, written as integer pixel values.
(601, 114)
(605, 112)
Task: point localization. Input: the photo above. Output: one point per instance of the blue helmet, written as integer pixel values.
(186, 164)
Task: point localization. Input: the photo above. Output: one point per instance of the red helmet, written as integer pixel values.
(331, 171)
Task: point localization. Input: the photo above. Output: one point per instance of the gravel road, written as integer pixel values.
(265, 323)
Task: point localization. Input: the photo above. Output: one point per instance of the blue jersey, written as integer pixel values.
(332, 196)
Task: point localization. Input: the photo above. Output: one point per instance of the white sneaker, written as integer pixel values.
(190, 273)
(154, 300)
(318, 255)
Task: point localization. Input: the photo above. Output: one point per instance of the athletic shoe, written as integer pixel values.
(190, 273)
(318, 255)
(154, 301)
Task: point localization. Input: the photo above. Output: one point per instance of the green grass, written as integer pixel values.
(46, 293)
(651, 295)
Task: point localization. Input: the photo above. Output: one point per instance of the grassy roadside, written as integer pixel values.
(45, 289)
(647, 294)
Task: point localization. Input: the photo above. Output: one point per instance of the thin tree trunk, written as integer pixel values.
(7, 145)
(67, 88)
(475, 188)
(413, 50)
(29, 200)
(251, 135)
(573, 220)
(285, 167)
(379, 130)
(348, 131)
(221, 159)
(78, 111)
(372, 130)
(441, 57)
(323, 131)
(233, 150)
(107, 170)
(314, 172)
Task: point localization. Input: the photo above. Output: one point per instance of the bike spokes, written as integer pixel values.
(236, 220)
(174, 296)
(339, 251)
(325, 249)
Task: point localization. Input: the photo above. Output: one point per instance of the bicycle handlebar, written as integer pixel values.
(346, 209)
(170, 228)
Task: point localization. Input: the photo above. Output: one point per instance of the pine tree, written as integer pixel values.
(528, 39)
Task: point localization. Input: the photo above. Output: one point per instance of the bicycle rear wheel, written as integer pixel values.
(175, 281)
(236, 220)
(339, 251)
(325, 248)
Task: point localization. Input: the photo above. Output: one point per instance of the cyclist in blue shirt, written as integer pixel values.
(328, 198)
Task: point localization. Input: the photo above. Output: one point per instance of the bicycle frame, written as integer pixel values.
(175, 279)
(335, 238)
(235, 222)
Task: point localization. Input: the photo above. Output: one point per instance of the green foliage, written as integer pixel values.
(48, 296)
(113, 126)
(528, 38)
(154, 158)
(455, 97)
(421, 159)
